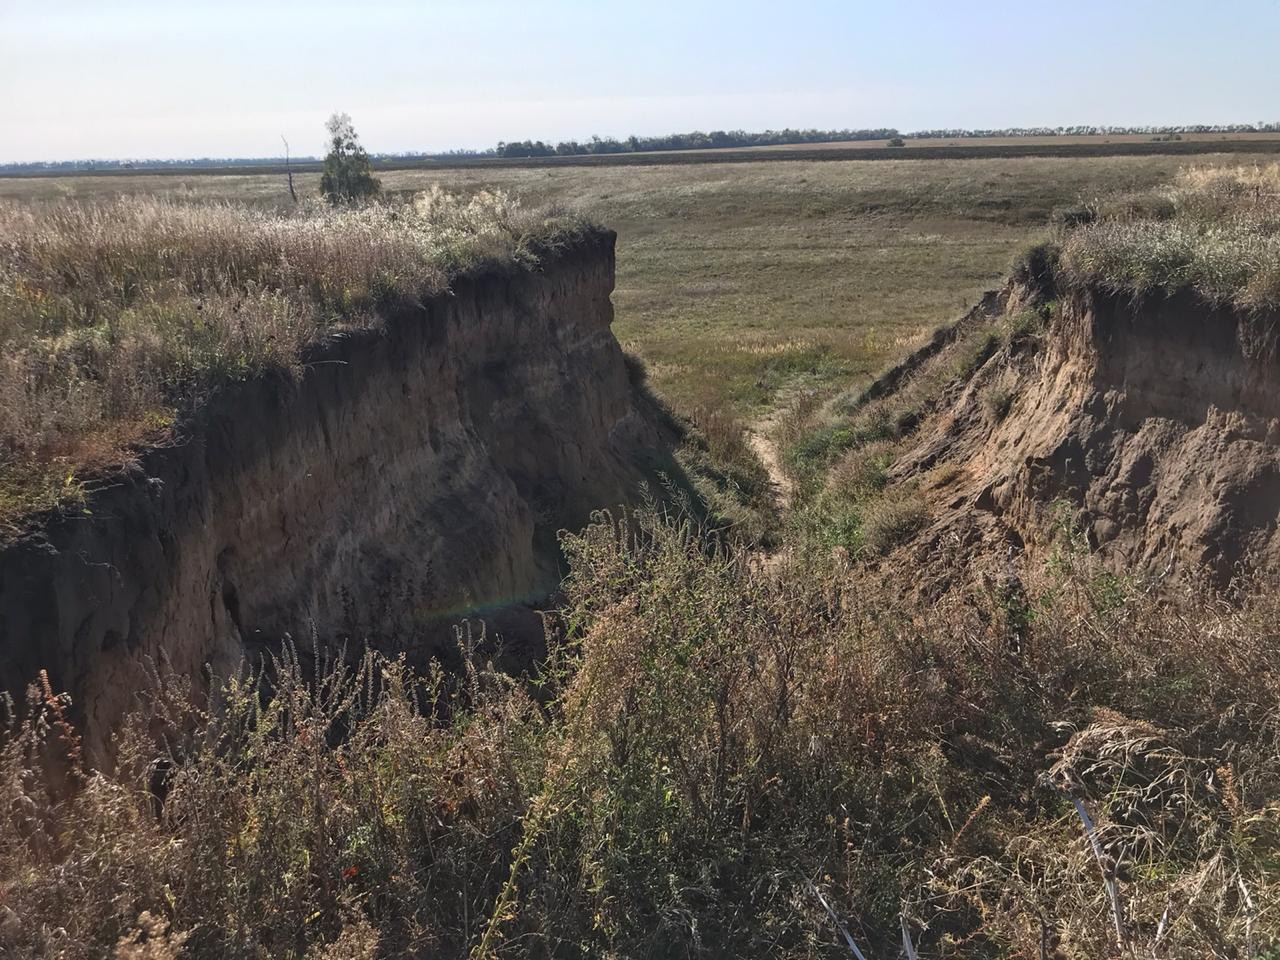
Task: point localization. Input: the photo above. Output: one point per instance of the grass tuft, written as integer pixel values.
(1215, 230)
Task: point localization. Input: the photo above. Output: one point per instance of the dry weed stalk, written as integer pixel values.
(705, 738)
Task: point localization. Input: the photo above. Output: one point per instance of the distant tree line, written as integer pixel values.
(69, 166)
(1087, 130)
(696, 140)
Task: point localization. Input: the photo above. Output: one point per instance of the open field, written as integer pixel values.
(1047, 141)
(957, 148)
(740, 282)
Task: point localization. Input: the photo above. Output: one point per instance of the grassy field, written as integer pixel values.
(741, 282)
(932, 148)
(1073, 141)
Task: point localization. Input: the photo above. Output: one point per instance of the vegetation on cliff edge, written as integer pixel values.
(115, 315)
(1215, 230)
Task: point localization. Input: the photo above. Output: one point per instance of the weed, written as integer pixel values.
(974, 354)
(709, 740)
(1036, 267)
(892, 520)
(862, 472)
(1028, 322)
(998, 401)
(727, 475)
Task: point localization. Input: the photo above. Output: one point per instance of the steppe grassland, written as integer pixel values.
(738, 283)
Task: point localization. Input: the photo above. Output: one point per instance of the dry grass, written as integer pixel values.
(890, 521)
(116, 314)
(1215, 230)
(727, 476)
(710, 745)
(740, 284)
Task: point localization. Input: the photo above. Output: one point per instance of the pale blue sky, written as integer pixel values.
(177, 78)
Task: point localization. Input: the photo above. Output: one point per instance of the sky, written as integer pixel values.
(193, 78)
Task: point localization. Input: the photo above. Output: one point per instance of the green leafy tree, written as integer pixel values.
(347, 173)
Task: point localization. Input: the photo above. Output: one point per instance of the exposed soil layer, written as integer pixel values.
(1152, 427)
(412, 475)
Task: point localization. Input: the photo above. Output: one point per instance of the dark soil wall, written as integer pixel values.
(412, 475)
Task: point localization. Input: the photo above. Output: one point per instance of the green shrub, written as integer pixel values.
(998, 401)
(862, 471)
(347, 175)
(890, 521)
(1037, 266)
(1028, 322)
(974, 354)
(818, 448)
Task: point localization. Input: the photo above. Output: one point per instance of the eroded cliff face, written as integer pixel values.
(410, 476)
(1154, 424)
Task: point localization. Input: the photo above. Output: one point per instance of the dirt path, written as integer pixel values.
(760, 438)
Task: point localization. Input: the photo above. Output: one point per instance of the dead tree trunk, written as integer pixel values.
(289, 169)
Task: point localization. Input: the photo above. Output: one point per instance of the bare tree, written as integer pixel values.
(289, 169)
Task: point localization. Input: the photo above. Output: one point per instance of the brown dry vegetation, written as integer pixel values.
(1215, 230)
(711, 744)
(114, 315)
(741, 284)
